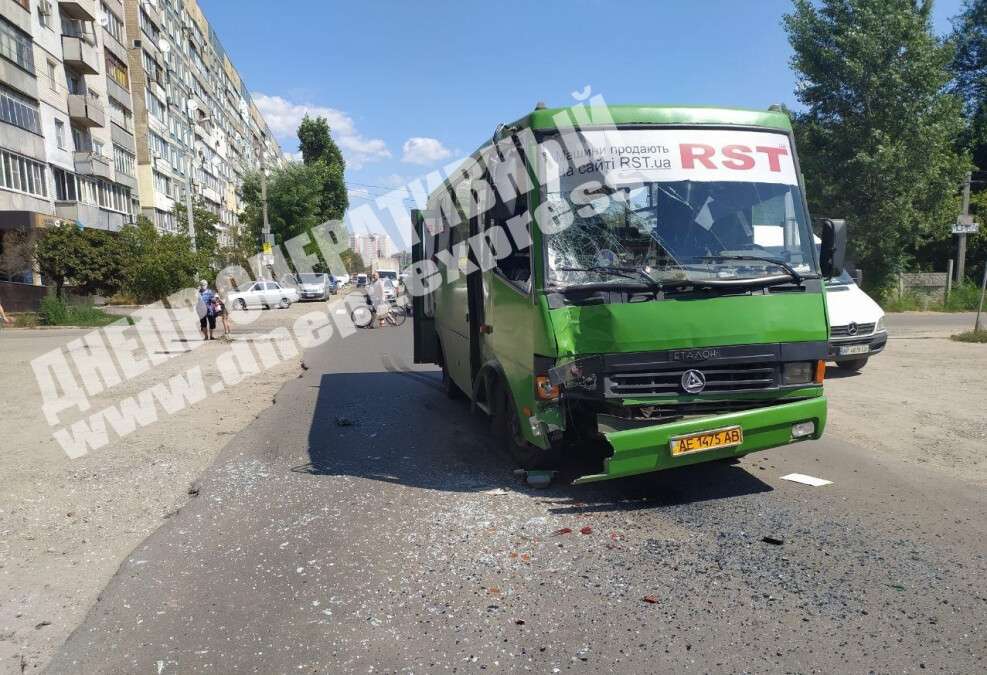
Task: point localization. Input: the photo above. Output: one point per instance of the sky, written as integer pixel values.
(408, 87)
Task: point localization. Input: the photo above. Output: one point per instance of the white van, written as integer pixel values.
(856, 324)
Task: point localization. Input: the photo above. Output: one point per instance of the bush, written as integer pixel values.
(53, 312)
(56, 312)
(971, 336)
(962, 298)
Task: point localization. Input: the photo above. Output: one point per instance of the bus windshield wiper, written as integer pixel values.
(626, 272)
(791, 271)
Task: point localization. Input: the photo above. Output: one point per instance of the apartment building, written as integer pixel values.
(109, 109)
(195, 119)
(375, 249)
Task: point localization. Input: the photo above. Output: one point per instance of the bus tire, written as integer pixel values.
(507, 430)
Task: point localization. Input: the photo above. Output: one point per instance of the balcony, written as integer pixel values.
(90, 164)
(79, 11)
(80, 54)
(86, 111)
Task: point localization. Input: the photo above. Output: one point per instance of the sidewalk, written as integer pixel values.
(66, 524)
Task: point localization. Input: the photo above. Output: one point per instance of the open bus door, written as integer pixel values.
(426, 340)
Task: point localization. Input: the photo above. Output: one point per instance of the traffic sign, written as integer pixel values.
(268, 250)
(966, 228)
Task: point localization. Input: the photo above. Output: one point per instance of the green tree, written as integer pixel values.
(206, 226)
(878, 138)
(970, 83)
(158, 264)
(294, 195)
(353, 261)
(89, 259)
(317, 146)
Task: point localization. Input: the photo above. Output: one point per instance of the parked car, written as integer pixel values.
(390, 289)
(343, 280)
(856, 324)
(312, 286)
(361, 280)
(264, 294)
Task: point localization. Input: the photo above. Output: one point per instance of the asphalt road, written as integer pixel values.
(924, 324)
(357, 525)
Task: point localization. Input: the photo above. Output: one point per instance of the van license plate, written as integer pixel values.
(706, 440)
(854, 349)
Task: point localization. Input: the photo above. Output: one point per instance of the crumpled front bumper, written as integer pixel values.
(647, 449)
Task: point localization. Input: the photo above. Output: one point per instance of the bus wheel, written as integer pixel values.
(507, 430)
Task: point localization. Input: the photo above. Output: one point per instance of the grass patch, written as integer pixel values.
(28, 320)
(55, 312)
(971, 336)
(962, 298)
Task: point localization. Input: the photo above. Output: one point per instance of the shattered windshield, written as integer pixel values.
(675, 204)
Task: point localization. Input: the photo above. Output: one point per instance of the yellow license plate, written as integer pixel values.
(706, 440)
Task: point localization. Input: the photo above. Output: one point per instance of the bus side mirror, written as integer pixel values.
(832, 253)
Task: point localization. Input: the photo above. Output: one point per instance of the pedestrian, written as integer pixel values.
(220, 310)
(3, 316)
(207, 315)
(376, 294)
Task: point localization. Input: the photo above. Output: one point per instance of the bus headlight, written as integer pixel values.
(803, 429)
(799, 372)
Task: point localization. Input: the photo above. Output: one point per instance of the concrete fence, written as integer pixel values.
(21, 297)
(923, 283)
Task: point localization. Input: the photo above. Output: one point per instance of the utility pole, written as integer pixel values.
(961, 246)
(189, 206)
(188, 200)
(263, 197)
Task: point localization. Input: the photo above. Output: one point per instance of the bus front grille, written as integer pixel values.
(719, 378)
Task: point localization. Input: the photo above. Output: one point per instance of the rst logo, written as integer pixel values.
(693, 355)
(735, 157)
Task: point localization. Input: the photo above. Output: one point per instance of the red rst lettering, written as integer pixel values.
(773, 154)
(740, 158)
(689, 152)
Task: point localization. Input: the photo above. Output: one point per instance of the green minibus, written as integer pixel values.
(591, 277)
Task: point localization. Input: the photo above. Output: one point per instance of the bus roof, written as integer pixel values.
(545, 119)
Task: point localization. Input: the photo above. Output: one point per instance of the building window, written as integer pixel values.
(159, 147)
(162, 184)
(154, 106)
(117, 70)
(19, 110)
(60, 134)
(53, 75)
(148, 26)
(151, 67)
(21, 174)
(82, 139)
(120, 115)
(66, 189)
(114, 26)
(98, 148)
(16, 45)
(165, 221)
(44, 13)
(123, 161)
(72, 188)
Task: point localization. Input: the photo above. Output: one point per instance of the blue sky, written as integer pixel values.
(387, 72)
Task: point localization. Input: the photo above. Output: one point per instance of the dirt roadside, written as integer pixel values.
(924, 399)
(66, 524)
